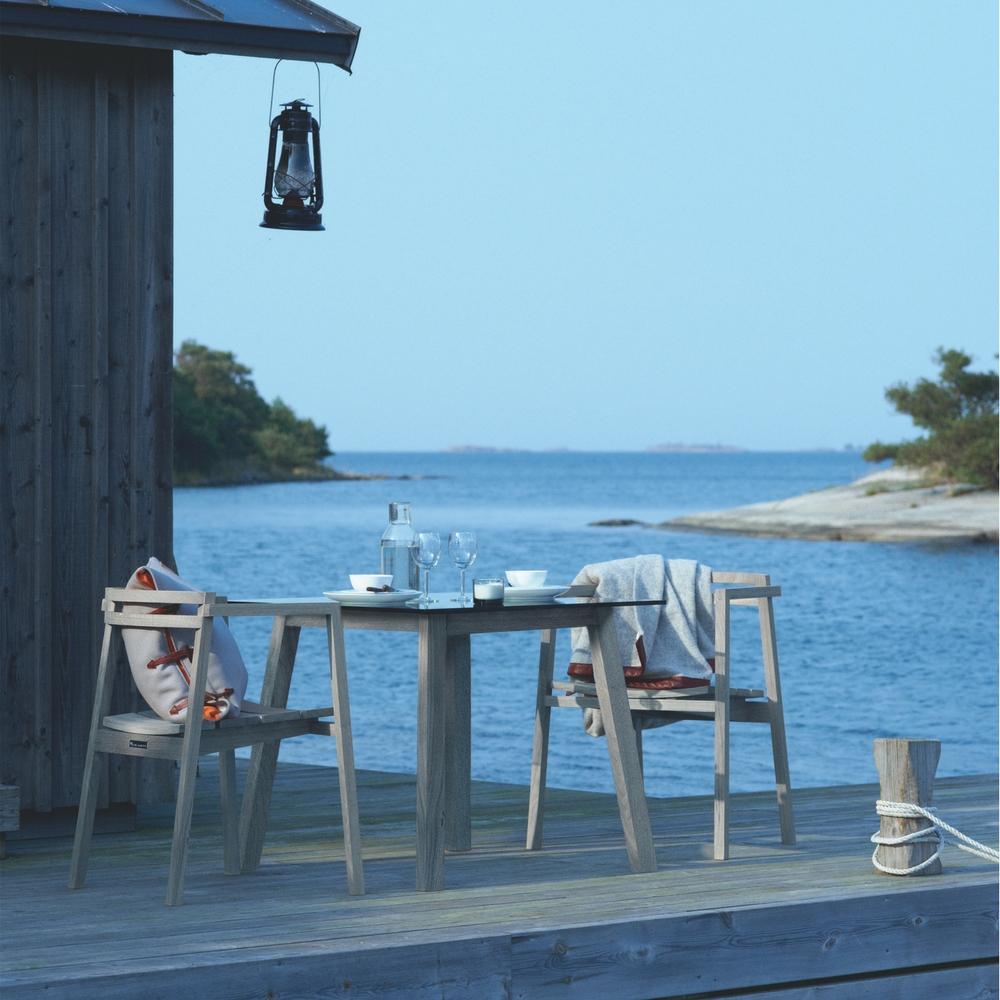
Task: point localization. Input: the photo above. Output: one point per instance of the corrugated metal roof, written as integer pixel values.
(288, 29)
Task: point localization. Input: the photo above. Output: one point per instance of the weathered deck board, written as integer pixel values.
(569, 920)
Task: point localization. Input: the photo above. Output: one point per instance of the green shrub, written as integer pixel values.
(959, 412)
(225, 432)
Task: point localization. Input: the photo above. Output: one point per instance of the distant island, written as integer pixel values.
(676, 446)
(480, 449)
(487, 449)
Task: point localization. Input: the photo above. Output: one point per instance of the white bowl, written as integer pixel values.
(527, 577)
(362, 581)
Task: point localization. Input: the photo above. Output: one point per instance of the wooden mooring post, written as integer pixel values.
(906, 774)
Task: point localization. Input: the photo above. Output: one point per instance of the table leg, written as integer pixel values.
(458, 744)
(431, 677)
(264, 757)
(345, 754)
(612, 696)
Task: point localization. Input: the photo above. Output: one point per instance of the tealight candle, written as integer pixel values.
(487, 593)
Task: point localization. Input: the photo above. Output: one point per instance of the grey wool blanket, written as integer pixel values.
(678, 637)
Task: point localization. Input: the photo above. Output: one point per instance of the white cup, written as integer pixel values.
(487, 593)
(377, 581)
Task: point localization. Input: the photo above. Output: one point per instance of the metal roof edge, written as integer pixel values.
(201, 37)
(316, 10)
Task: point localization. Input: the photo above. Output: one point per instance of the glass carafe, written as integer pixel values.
(397, 542)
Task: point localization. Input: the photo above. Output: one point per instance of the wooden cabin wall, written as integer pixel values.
(86, 144)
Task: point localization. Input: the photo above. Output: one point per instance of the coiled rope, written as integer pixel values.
(931, 834)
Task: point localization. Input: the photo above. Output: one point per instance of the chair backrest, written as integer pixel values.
(160, 630)
(747, 579)
(115, 599)
(751, 590)
(718, 577)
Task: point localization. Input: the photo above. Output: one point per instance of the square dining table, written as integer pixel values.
(444, 715)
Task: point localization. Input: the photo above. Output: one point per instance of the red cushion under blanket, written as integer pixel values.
(635, 679)
(666, 683)
(585, 671)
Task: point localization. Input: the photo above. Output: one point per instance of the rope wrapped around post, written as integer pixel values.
(908, 844)
(932, 834)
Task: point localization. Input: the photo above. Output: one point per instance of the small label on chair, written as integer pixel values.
(138, 744)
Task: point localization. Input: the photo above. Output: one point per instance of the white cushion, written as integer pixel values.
(160, 658)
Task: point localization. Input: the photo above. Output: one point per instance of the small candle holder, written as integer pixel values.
(487, 592)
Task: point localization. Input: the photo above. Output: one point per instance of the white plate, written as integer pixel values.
(362, 598)
(531, 595)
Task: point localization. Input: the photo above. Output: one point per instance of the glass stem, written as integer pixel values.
(461, 577)
(427, 586)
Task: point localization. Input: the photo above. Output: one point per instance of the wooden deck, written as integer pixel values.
(568, 921)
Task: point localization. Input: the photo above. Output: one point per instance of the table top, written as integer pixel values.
(451, 606)
(444, 603)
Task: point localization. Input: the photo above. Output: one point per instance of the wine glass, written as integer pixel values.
(426, 552)
(462, 548)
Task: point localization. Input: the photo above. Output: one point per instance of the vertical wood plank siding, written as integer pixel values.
(86, 142)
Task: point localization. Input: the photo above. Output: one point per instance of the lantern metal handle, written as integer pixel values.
(319, 94)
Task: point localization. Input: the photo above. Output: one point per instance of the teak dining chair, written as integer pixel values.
(143, 734)
(721, 704)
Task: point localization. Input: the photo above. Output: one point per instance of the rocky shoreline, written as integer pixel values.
(319, 475)
(892, 505)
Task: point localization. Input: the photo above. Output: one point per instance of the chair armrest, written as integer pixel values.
(749, 595)
(747, 579)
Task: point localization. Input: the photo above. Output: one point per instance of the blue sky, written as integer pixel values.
(568, 224)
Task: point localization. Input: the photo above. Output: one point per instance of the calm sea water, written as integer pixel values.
(874, 640)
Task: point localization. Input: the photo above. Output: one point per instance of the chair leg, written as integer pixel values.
(540, 741)
(91, 772)
(637, 726)
(230, 813)
(189, 762)
(345, 754)
(779, 746)
(722, 712)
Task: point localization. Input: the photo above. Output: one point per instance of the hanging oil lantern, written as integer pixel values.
(293, 189)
